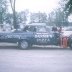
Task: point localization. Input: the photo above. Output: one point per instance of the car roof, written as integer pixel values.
(35, 24)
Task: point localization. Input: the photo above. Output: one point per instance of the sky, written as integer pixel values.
(36, 5)
(70, 18)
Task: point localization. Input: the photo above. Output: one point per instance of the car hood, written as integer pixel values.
(66, 33)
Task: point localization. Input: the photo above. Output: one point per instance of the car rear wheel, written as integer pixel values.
(24, 45)
(70, 45)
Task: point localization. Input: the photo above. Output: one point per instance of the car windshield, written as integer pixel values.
(37, 29)
(41, 29)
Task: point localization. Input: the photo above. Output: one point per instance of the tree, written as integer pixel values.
(61, 19)
(9, 18)
(12, 3)
(51, 18)
(22, 16)
(38, 17)
(3, 10)
(68, 8)
(57, 18)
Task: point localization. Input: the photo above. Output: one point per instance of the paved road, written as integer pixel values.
(35, 60)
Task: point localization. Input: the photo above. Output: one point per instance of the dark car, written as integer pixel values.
(31, 35)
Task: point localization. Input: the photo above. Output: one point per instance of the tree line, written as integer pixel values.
(57, 17)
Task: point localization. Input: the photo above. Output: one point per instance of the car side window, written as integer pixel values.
(30, 29)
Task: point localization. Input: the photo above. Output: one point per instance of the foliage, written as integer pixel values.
(38, 17)
(68, 7)
(9, 18)
(22, 16)
(3, 10)
(57, 18)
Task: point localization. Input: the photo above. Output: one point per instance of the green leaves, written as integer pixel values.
(3, 10)
(68, 8)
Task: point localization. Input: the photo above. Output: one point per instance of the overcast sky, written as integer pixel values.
(36, 5)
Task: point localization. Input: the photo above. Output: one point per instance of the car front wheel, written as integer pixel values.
(24, 45)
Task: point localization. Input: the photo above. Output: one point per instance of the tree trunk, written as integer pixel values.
(14, 14)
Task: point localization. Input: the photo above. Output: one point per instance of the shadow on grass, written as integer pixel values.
(34, 48)
(8, 47)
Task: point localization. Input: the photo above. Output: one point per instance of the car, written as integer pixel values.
(67, 31)
(31, 35)
(67, 34)
(70, 41)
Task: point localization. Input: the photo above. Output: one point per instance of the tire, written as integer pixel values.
(23, 45)
(70, 46)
